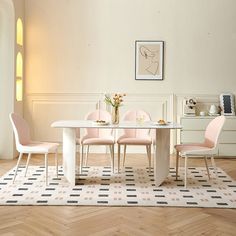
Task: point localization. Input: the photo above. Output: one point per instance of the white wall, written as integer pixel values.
(77, 49)
(10, 10)
(78, 46)
(19, 6)
(6, 77)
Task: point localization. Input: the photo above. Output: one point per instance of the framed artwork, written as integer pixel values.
(149, 60)
(227, 104)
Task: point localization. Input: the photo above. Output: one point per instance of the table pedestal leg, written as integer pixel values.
(69, 154)
(162, 155)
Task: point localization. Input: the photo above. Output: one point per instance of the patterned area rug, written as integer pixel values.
(132, 187)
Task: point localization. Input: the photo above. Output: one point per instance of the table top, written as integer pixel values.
(121, 125)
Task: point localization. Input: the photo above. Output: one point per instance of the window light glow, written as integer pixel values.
(19, 90)
(19, 65)
(19, 32)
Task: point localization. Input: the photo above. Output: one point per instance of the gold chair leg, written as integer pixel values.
(205, 159)
(148, 148)
(214, 165)
(81, 158)
(27, 163)
(185, 171)
(112, 156)
(177, 165)
(17, 166)
(118, 158)
(124, 155)
(46, 168)
(86, 157)
(56, 160)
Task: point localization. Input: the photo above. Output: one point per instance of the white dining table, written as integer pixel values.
(161, 139)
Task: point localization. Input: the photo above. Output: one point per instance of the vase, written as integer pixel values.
(115, 115)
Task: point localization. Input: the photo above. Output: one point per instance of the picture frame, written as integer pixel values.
(149, 60)
(227, 104)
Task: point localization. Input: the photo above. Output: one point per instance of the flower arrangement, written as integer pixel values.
(116, 100)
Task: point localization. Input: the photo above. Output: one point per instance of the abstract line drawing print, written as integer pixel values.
(152, 57)
(149, 60)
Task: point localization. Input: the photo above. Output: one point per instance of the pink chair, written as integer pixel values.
(207, 148)
(98, 136)
(135, 136)
(24, 144)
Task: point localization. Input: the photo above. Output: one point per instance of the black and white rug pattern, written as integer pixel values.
(132, 187)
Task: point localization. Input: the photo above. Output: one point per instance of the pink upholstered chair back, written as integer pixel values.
(213, 131)
(133, 116)
(21, 130)
(99, 115)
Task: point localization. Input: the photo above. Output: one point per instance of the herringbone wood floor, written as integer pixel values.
(69, 220)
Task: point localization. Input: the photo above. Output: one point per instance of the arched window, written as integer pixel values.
(19, 65)
(19, 89)
(19, 32)
(19, 75)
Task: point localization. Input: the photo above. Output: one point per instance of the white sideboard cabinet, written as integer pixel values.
(194, 129)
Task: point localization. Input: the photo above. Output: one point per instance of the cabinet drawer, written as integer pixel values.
(192, 136)
(201, 123)
(227, 150)
(228, 137)
(188, 136)
(230, 124)
(195, 123)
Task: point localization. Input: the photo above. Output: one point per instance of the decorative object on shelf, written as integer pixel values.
(149, 60)
(190, 106)
(213, 111)
(227, 104)
(202, 113)
(115, 102)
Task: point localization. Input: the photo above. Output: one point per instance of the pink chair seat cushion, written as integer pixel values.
(39, 147)
(191, 148)
(145, 140)
(88, 140)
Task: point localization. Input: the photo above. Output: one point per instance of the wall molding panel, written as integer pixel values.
(41, 109)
